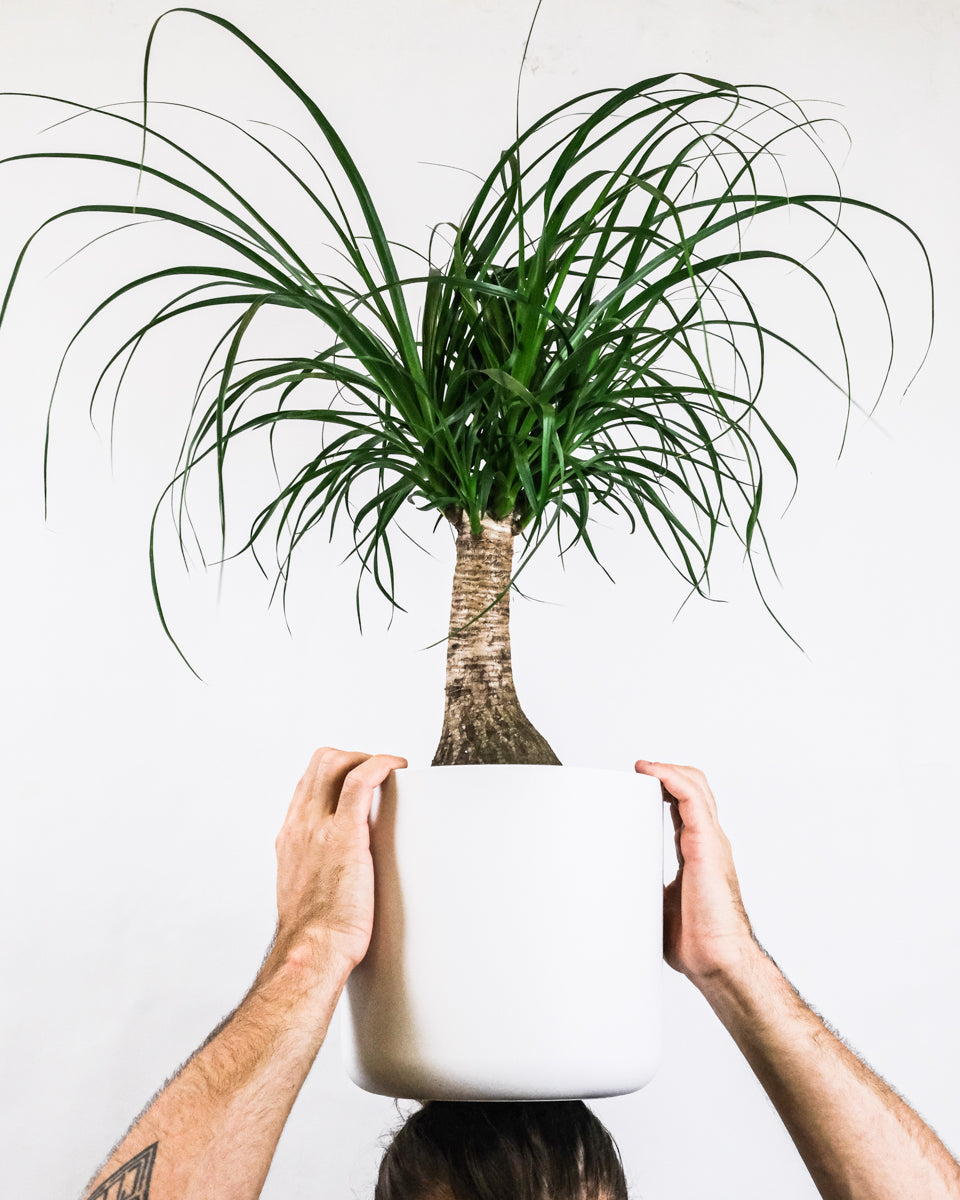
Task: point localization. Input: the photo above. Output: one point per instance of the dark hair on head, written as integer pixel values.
(502, 1150)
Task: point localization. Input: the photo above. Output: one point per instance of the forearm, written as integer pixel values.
(857, 1137)
(217, 1123)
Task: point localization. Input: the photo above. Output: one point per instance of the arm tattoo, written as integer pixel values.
(132, 1181)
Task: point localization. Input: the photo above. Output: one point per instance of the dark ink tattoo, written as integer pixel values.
(132, 1181)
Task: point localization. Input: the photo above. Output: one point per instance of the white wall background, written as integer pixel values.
(140, 806)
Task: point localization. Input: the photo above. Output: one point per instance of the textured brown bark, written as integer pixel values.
(483, 721)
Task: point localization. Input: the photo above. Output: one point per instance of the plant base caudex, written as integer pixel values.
(483, 721)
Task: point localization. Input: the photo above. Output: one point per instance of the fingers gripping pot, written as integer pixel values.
(517, 940)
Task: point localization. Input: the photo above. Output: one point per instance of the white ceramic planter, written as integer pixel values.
(517, 941)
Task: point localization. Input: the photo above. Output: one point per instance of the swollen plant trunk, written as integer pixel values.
(483, 721)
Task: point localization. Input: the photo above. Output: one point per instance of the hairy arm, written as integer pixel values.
(213, 1129)
(211, 1132)
(856, 1135)
(858, 1138)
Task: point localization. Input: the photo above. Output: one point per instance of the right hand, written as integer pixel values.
(706, 930)
(324, 867)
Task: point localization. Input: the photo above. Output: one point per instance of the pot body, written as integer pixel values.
(517, 948)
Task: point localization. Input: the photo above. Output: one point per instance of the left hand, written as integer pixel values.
(706, 931)
(324, 867)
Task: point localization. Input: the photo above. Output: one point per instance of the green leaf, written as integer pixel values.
(588, 343)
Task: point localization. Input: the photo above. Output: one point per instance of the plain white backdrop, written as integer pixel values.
(140, 806)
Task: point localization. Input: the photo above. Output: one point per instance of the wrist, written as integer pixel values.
(737, 972)
(754, 1000)
(305, 971)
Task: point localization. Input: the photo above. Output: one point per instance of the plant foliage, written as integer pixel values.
(562, 358)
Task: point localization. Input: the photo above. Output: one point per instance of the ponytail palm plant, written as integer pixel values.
(554, 352)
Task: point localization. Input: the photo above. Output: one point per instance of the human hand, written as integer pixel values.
(324, 867)
(706, 930)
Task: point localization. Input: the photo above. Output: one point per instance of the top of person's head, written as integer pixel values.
(502, 1150)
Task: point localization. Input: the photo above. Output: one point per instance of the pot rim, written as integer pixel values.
(477, 767)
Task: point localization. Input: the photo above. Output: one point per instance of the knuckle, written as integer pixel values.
(333, 758)
(366, 766)
(355, 780)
